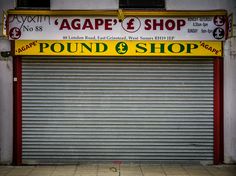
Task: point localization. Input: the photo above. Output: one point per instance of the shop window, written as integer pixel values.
(137, 4)
(32, 4)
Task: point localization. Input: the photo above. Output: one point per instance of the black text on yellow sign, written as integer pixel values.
(118, 48)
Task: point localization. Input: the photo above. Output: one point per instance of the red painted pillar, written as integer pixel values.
(17, 113)
(218, 111)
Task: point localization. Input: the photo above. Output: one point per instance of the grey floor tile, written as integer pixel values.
(4, 170)
(42, 171)
(108, 170)
(64, 171)
(196, 170)
(221, 170)
(20, 171)
(174, 170)
(131, 170)
(152, 170)
(87, 170)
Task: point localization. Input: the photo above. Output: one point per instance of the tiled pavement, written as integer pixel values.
(125, 170)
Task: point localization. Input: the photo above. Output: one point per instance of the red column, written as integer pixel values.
(17, 113)
(218, 111)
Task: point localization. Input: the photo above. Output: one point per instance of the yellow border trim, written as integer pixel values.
(117, 12)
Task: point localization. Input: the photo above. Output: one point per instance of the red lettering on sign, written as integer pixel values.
(180, 23)
(170, 24)
(87, 24)
(207, 47)
(108, 24)
(75, 23)
(155, 24)
(98, 22)
(148, 25)
(65, 25)
(26, 47)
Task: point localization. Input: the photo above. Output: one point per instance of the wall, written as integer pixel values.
(230, 91)
(230, 100)
(229, 5)
(85, 5)
(6, 95)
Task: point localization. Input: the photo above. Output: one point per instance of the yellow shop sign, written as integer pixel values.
(117, 48)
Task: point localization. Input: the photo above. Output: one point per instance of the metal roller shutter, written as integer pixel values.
(139, 110)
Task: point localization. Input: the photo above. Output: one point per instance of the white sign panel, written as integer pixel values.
(110, 28)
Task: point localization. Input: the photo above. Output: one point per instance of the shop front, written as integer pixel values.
(102, 86)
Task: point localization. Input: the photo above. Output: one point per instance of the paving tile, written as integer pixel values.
(5, 170)
(221, 170)
(196, 170)
(85, 174)
(228, 170)
(68, 168)
(64, 171)
(177, 174)
(42, 171)
(152, 170)
(87, 167)
(131, 170)
(20, 171)
(153, 174)
(131, 173)
(158, 173)
(86, 170)
(107, 174)
(106, 167)
(130, 167)
(108, 170)
(174, 170)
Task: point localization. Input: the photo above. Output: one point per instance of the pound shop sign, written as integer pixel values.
(39, 27)
(117, 48)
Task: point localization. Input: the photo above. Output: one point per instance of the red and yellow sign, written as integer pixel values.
(117, 48)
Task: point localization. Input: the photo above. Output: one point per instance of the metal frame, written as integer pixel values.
(17, 111)
(218, 111)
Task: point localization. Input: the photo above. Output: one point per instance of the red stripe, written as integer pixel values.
(218, 110)
(17, 89)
